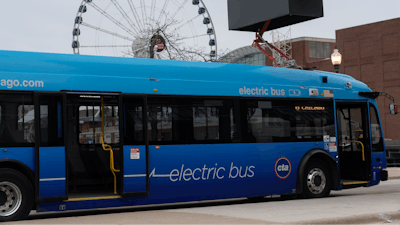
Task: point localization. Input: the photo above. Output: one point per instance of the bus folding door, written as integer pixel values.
(135, 145)
(354, 141)
(51, 179)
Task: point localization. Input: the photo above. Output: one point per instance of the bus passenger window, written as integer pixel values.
(289, 121)
(376, 133)
(26, 122)
(161, 122)
(134, 124)
(213, 120)
(267, 122)
(206, 123)
(17, 127)
(190, 121)
(314, 120)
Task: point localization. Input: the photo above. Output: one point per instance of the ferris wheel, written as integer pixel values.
(162, 29)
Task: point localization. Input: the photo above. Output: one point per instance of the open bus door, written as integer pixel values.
(106, 148)
(354, 143)
(51, 182)
(136, 148)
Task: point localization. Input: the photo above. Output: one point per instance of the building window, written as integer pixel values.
(320, 50)
(257, 59)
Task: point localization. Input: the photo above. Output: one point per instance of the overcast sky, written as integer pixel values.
(46, 25)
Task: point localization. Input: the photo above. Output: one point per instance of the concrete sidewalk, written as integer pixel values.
(394, 172)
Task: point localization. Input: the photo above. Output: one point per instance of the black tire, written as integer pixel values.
(14, 185)
(317, 181)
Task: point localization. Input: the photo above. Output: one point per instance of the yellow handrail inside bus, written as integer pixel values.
(108, 147)
(362, 148)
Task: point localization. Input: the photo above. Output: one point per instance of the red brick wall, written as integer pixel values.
(371, 54)
(301, 53)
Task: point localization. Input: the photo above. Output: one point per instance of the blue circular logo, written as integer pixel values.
(283, 167)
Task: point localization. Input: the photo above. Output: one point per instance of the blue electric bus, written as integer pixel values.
(83, 132)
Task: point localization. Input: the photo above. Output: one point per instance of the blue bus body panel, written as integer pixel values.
(178, 173)
(55, 72)
(182, 173)
(52, 172)
(135, 179)
(25, 155)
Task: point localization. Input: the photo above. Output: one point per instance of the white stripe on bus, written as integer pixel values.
(135, 175)
(52, 179)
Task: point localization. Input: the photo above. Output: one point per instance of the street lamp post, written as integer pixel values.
(336, 58)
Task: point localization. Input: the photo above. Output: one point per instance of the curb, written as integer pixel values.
(394, 217)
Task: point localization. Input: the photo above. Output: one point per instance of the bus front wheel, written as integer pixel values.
(317, 180)
(16, 195)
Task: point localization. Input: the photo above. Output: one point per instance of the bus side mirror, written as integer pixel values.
(393, 108)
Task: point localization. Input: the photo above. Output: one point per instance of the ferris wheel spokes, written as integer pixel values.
(111, 18)
(123, 13)
(129, 26)
(108, 32)
(135, 14)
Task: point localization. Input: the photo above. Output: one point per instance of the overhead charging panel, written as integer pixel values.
(251, 15)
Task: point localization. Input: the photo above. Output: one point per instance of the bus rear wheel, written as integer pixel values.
(317, 180)
(16, 195)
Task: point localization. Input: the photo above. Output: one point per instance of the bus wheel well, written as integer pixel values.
(22, 168)
(324, 157)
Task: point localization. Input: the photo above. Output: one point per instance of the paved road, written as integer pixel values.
(361, 205)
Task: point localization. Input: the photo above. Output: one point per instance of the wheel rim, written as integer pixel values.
(13, 198)
(316, 181)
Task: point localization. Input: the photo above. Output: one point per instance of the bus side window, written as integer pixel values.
(17, 127)
(376, 133)
(268, 122)
(289, 121)
(213, 120)
(167, 120)
(133, 119)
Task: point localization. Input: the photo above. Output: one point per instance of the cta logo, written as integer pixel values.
(283, 168)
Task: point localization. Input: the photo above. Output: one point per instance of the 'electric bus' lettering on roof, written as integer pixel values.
(262, 91)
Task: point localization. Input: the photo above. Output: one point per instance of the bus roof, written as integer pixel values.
(30, 71)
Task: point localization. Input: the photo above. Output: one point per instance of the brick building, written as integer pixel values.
(371, 53)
